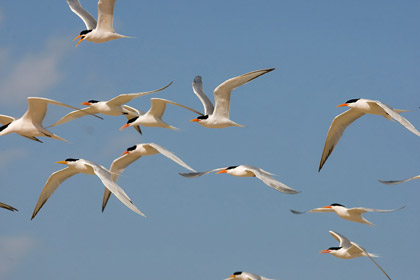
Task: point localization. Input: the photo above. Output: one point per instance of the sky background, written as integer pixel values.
(324, 52)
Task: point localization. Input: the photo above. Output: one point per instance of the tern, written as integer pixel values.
(350, 214)
(247, 171)
(100, 32)
(217, 116)
(75, 166)
(241, 275)
(134, 153)
(349, 250)
(399, 181)
(112, 107)
(30, 124)
(359, 107)
(8, 207)
(153, 117)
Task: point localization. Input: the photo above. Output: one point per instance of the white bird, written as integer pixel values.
(102, 31)
(75, 166)
(399, 181)
(218, 116)
(359, 107)
(30, 124)
(134, 153)
(241, 275)
(8, 207)
(349, 250)
(153, 117)
(247, 171)
(112, 107)
(350, 214)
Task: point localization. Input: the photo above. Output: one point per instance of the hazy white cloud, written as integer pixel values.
(32, 74)
(11, 155)
(13, 250)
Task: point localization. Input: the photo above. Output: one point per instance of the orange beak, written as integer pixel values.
(124, 126)
(344, 104)
(62, 162)
(195, 120)
(329, 206)
(126, 152)
(81, 39)
(85, 103)
(222, 171)
(232, 276)
(324, 251)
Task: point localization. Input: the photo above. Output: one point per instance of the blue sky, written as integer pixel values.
(324, 52)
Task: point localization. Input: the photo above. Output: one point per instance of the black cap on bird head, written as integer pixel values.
(352, 100)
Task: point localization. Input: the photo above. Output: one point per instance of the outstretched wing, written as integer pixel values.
(8, 207)
(51, 185)
(87, 18)
(198, 174)
(270, 181)
(6, 119)
(197, 86)
(315, 210)
(336, 130)
(158, 106)
(361, 210)
(106, 15)
(125, 98)
(399, 181)
(344, 242)
(75, 115)
(170, 155)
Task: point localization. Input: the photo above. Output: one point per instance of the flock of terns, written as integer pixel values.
(30, 125)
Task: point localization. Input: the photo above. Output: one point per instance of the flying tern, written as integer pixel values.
(399, 181)
(112, 107)
(217, 116)
(75, 166)
(8, 207)
(30, 124)
(247, 171)
(153, 117)
(241, 275)
(102, 31)
(134, 153)
(349, 250)
(359, 107)
(350, 214)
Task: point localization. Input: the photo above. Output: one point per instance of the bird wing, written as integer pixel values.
(37, 108)
(270, 181)
(51, 185)
(133, 110)
(361, 210)
(8, 207)
(400, 181)
(223, 91)
(397, 117)
(170, 155)
(106, 15)
(197, 86)
(75, 115)
(344, 242)
(124, 98)
(158, 106)
(198, 174)
(106, 178)
(315, 210)
(87, 18)
(336, 130)
(6, 119)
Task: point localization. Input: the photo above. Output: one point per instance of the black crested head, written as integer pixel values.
(4, 127)
(132, 120)
(336, 204)
(232, 167)
(132, 148)
(93, 101)
(84, 32)
(237, 273)
(71, 159)
(334, 248)
(352, 100)
(204, 117)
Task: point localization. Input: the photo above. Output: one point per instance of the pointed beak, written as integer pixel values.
(344, 104)
(324, 251)
(62, 162)
(77, 37)
(81, 39)
(126, 152)
(195, 120)
(124, 126)
(329, 206)
(222, 171)
(85, 103)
